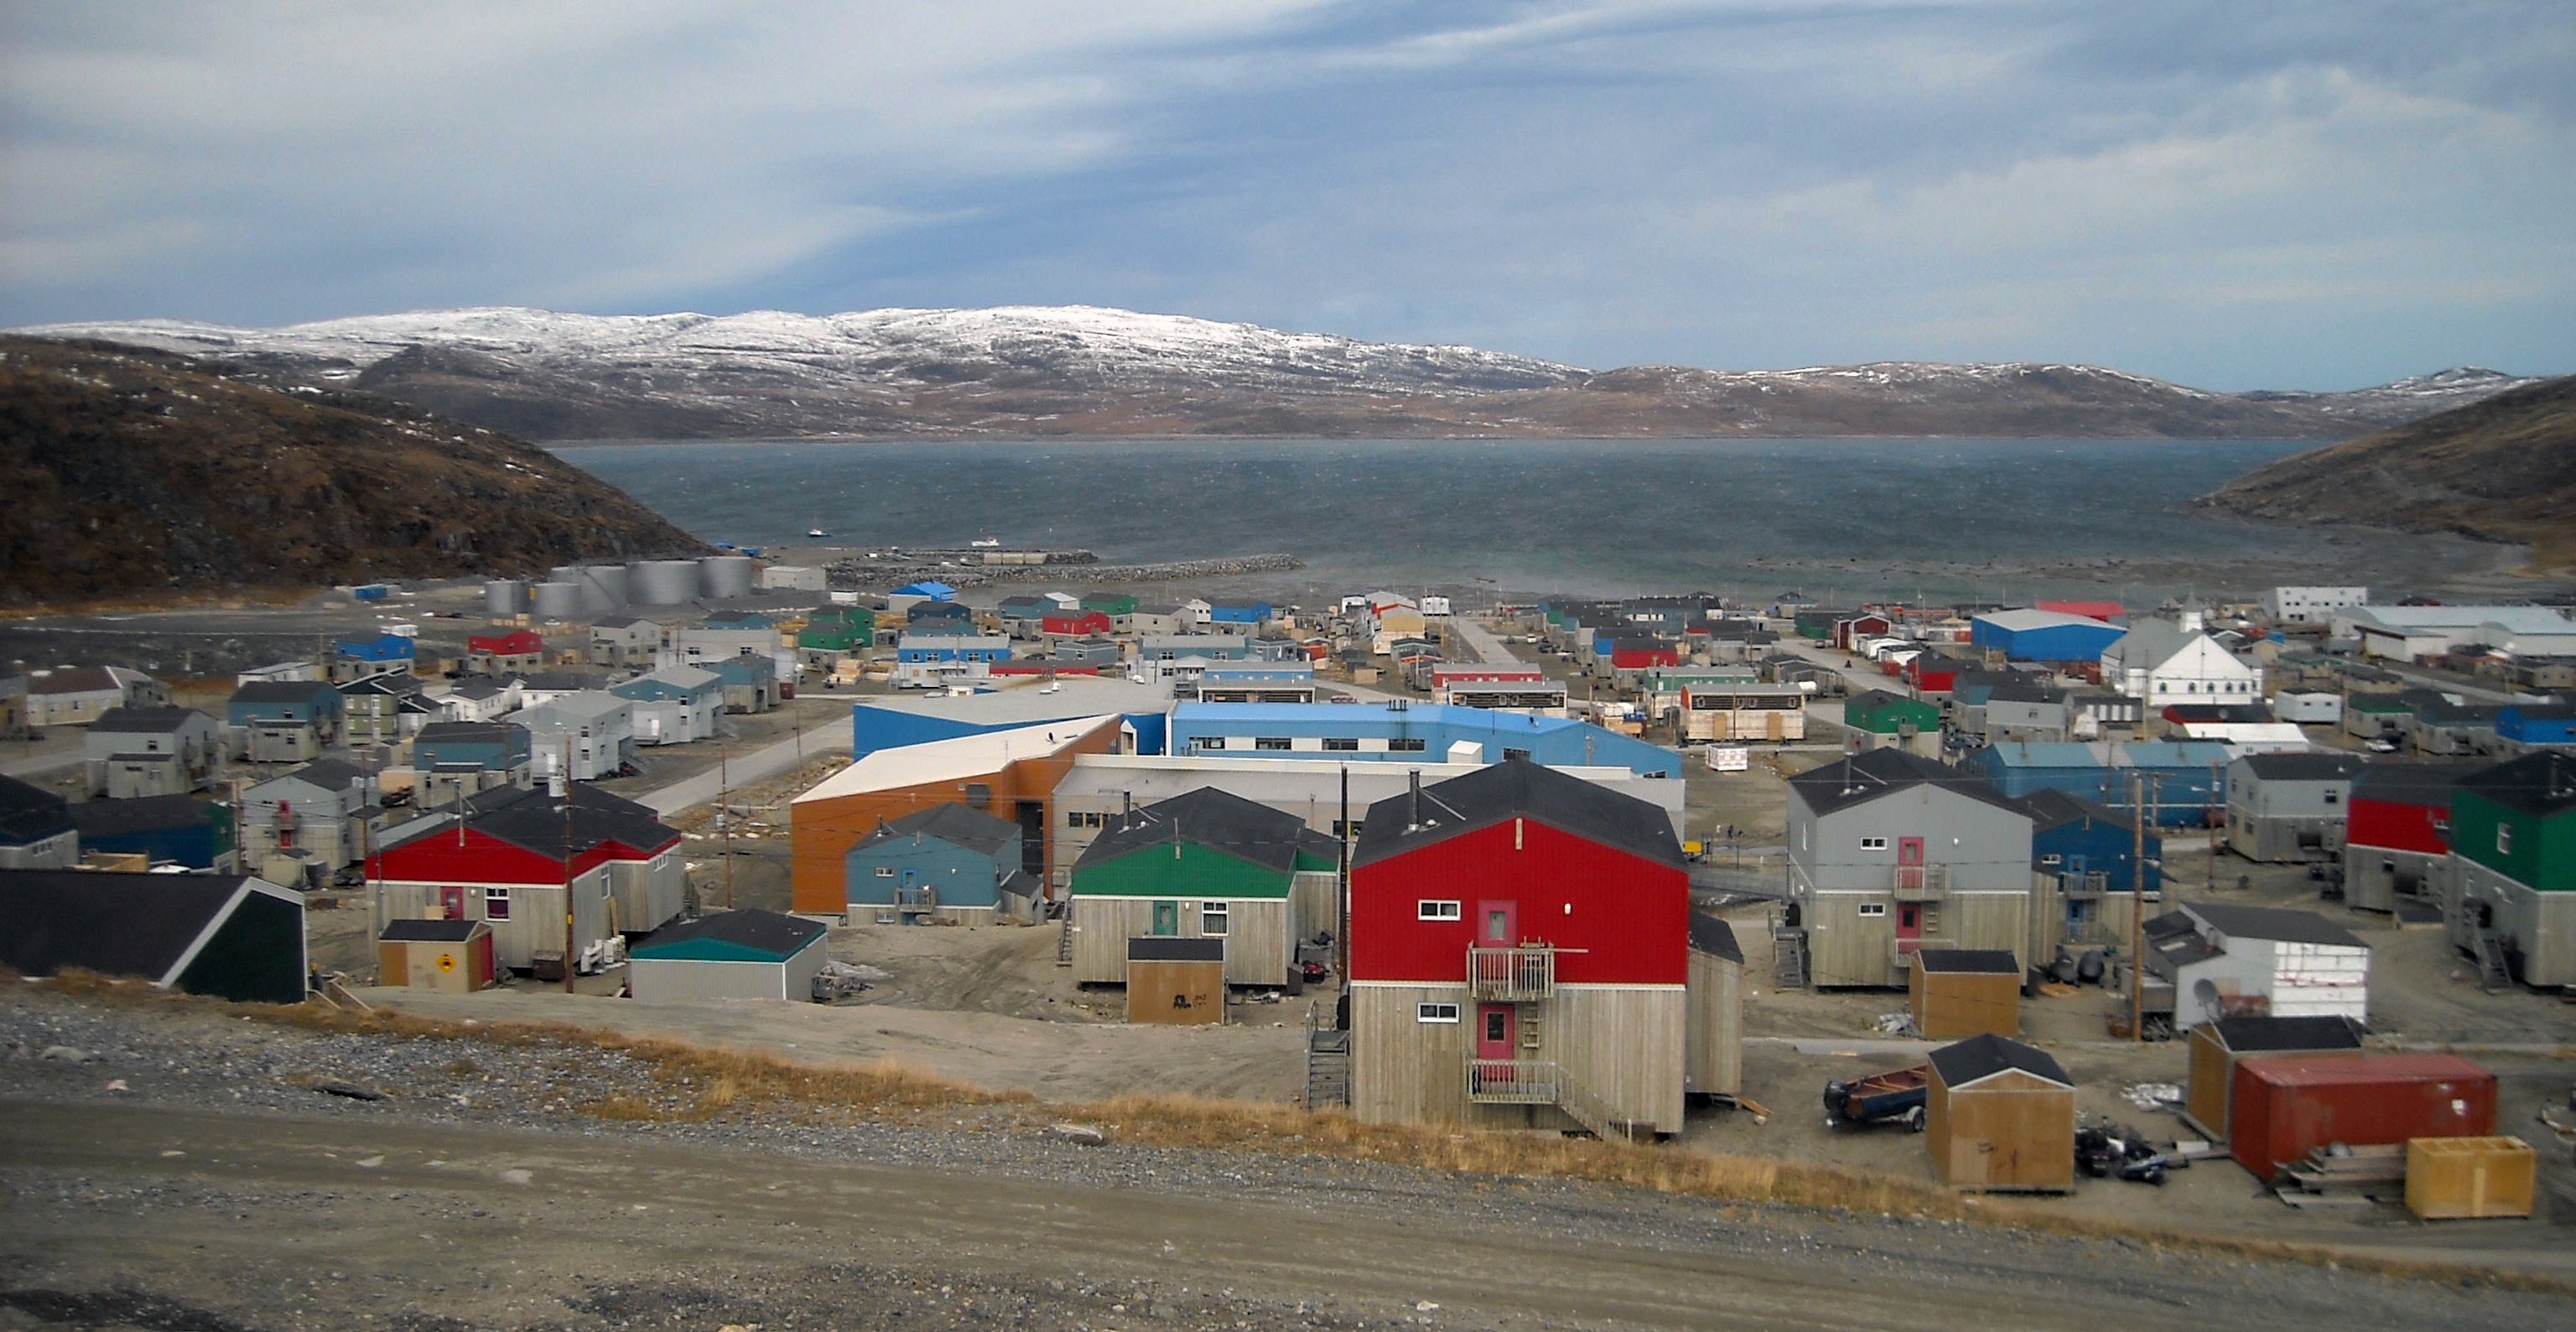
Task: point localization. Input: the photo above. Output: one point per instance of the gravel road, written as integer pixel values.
(182, 1171)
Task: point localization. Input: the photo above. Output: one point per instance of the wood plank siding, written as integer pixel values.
(1257, 939)
(1714, 1059)
(1624, 1044)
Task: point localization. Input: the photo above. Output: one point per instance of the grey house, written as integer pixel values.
(2289, 806)
(625, 640)
(2442, 727)
(324, 808)
(2028, 712)
(135, 752)
(1890, 853)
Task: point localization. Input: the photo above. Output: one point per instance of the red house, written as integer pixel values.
(1931, 673)
(2108, 612)
(1643, 654)
(1868, 625)
(506, 856)
(1075, 624)
(1519, 944)
(517, 650)
(2397, 832)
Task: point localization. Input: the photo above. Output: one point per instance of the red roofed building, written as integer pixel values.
(508, 855)
(1075, 624)
(1519, 945)
(2108, 612)
(2397, 832)
(492, 654)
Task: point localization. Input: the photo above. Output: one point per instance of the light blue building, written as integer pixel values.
(2184, 783)
(947, 863)
(1407, 732)
(1246, 613)
(2038, 635)
(382, 649)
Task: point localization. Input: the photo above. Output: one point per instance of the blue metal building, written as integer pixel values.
(2038, 635)
(2185, 782)
(1401, 732)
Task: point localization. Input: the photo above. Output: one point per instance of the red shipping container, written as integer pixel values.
(2288, 1105)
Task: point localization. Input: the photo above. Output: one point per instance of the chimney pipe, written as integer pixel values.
(1413, 800)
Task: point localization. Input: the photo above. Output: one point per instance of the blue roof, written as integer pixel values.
(936, 591)
(384, 647)
(1550, 740)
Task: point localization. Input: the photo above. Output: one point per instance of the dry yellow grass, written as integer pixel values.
(705, 1082)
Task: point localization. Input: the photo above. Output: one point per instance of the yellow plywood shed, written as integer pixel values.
(1176, 982)
(1999, 1116)
(2459, 1178)
(1953, 994)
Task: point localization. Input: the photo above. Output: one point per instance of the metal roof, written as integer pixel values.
(2278, 924)
(955, 760)
(1859, 778)
(779, 935)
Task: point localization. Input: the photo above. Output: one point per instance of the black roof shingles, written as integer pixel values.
(1517, 788)
(30, 813)
(1969, 961)
(428, 931)
(1859, 778)
(772, 932)
(2255, 1035)
(119, 924)
(2542, 782)
(1984, 1056)
(1714, 937)
(956, 824)
(1219, 820)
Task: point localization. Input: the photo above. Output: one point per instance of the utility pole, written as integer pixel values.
(1342, 923)
(563, 774)
(2137, 905)
(724, 815)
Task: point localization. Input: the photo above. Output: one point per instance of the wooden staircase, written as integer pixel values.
(1789, 957)
(1328, 1068)
(1064, 941)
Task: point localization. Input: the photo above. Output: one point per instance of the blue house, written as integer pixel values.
(935, 591)
(2069, 835)
(2184, 783)
(945, 864)
(313, 703)
(495, 747)
(1401, 732)
(385, 649)
(930, 614)
(2537, 723)
(1239, 612)
(2038, 635)
(169, 829)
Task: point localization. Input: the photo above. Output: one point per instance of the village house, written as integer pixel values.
(945, 865)
(501, 654)
(36, 828)
(2290, 807)
(135, 752)
(1879, 719)
(226, 936)
(326, 808)
(358, 658)
(1890, 853)
(2512, 881)
(2211, 960)
(458, 759)
(938, 660)
(386, 706)
(2397, 829)
(509, 856)
(1208, 864)
(584, 736)
(480, 698)
(284, 721)
(625, 640)
(1519, 957)
(2088, 860)
(77, 695)
(748, 683)
(179, 830)
(675, 705)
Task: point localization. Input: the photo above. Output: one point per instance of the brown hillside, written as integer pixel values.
(140, 473)
(2503, 469)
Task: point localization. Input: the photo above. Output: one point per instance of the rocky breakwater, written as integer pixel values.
(851, 575)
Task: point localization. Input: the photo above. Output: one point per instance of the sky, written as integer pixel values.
(2278, 195)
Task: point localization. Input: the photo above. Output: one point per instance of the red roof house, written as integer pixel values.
(1076, 624)
(506, 855)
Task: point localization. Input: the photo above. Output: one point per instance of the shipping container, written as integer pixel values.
(2288, 1106)
(2451, 1178)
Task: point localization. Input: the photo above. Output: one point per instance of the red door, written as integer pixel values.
(1909, 926)
(1499, 924)
(1494, 1031)
(1909, 863)
(451, 903)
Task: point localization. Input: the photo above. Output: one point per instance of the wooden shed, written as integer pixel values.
(2216, 1046)
(1959, 992)
(1175, 981)
(2455, 1178)
(2000, 1116)
(449, 955)
(1713, 1060)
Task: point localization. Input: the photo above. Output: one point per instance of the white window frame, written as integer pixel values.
(2504, 839)
(1215, 918)
(1434, 909)
(492, 896)
(1443, 1014)
(885, 871)
(1871, 910)
(1873, 844)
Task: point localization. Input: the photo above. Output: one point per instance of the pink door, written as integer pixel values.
(1909, 926)
(1494, 1031)
(451, 903)
(1909, 863)
(1499, 924)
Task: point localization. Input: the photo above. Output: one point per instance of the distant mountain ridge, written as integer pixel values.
(2502, 468)
(137, 474)
(1088, 371)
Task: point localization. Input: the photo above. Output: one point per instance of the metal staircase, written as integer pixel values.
(2494, 968)
(1789, 956)
(1328, 1067)
(1064, 941)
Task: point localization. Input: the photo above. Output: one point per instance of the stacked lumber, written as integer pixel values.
(2342, 1173)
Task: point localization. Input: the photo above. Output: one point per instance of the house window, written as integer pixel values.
(1870, 909)
(2504, 839)
(1521, 754)
(1435, 1013)
(885, 871)
(1209, 742)
(1271, 742)
(1435, 910)
(2334, 797)
(1348, 827)
(1073, 818)
(1212, 918)
(2049, 861)
(1873, 844)
(1407, 745)
(1342, 744)
(496, 904)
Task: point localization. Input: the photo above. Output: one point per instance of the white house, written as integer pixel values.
(2239, 961)
(597, 729)
(2162, 662)
(2312, 605)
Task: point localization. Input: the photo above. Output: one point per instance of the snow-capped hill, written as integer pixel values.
(1088, 370)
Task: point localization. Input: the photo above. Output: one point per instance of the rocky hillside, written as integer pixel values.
(1046, 371)
(137, 473)
(2503, 468)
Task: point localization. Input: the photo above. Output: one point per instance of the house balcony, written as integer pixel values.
(1900, 952)
(1513, 1081)
(2084, 886)
(1920, 883)
(916, 901)
(1511, 975)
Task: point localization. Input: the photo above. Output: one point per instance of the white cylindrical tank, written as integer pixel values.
(662, 582)
(505, 597)
(726, 575)
(611, 579)
(556, 601)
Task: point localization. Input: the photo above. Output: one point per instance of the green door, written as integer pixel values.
(1167, 919)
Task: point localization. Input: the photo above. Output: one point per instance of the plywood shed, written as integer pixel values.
(1173, 981)
(2216, 1046)
(2000, 1116)
(750, 954)
(454, 956)
(2286, 1106)
(1713, 1060)
(2458, 1178)
(233, 936)
(1957, 992)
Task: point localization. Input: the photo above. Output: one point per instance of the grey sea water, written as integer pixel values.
(1946, 517)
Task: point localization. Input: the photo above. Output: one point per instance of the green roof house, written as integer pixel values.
(2513, 865)
(838, 629)
(1205, 864)
(751, 954)
(1893, 721)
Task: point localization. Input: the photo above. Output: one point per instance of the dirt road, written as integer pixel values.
(169, 1217)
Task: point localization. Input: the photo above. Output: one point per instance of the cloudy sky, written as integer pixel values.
(2314, 195)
